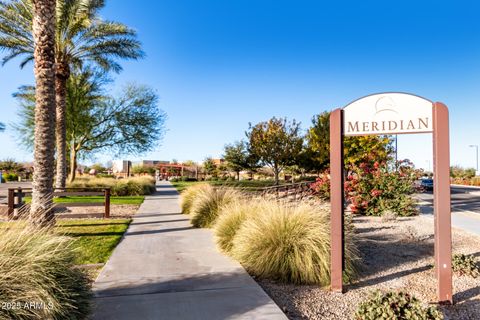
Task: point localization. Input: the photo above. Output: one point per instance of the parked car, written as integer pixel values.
(427, 184)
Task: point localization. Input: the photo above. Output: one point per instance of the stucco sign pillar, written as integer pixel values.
(394, 113)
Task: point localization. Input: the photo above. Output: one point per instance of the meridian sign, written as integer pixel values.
(388, 113)
(393, 113)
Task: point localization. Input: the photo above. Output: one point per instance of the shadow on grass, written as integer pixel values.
(94, 234)
(91, 225)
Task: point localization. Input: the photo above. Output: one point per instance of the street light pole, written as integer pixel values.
(476, 157)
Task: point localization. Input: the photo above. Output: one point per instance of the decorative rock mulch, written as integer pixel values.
(397, 255)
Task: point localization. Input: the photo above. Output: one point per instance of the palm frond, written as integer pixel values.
(81, 35)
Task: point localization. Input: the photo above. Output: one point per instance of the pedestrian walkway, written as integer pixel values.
(165, 269)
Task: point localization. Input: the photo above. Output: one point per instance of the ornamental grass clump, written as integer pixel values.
(38, 279)
(290, 244)
(189, 195)
(231, 219)
(208, 203)
(393, 305)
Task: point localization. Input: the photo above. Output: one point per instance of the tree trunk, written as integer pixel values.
(277, 173)
(238, 175)
(61, 76)
(44, 138)
(73, 163)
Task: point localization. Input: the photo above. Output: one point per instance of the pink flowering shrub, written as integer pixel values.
(321, 186)
(373, 188)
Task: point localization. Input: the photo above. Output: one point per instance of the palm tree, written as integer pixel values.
(81, 37)
(43, 26)
(84, 94)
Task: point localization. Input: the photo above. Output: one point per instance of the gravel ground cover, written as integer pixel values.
(116, 211)
(397, 255)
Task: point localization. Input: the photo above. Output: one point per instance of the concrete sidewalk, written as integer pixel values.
(165, 269)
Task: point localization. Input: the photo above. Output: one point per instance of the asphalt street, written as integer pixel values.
(465, 207)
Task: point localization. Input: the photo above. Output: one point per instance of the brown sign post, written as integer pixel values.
(394, 113)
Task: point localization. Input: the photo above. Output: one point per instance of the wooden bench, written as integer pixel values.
(17, 195)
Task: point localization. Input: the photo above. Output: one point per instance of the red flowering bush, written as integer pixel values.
(321, 186)
(373, 188)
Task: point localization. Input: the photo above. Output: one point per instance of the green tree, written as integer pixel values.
(80, 36)
(459, 172)
(316, 155)
(10, 165)
(276, 142)
(209, 166)
(129, 124)
(141, 169)
(356, 149)
(190, 163)
(237, 157)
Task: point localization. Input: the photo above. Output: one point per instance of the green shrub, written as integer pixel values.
(189, 195)
(105, 175)
(208, 203)
(230, 220)
(10, 177)
(37, 266)
(465, 265)
(392, 305)
(142, 169)
(290, 244)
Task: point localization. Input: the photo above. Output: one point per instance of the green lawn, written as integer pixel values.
(135, 200)
(94, 239)
(182, 185)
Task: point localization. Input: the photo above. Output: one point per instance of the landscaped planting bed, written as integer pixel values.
(273, 240)
(397, 256)
(285, 247)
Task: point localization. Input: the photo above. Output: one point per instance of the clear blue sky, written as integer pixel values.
(218, 65)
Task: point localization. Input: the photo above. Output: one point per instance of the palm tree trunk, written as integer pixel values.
(44, 139)
(73, 163)
(61, 76)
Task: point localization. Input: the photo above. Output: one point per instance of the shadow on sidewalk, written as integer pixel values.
(207, 296)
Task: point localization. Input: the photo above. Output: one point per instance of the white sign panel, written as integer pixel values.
(388, 113)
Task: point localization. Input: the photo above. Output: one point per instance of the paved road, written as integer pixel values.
(165, 269)
(465, 207)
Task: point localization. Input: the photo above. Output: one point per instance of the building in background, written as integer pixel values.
(121, 168)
